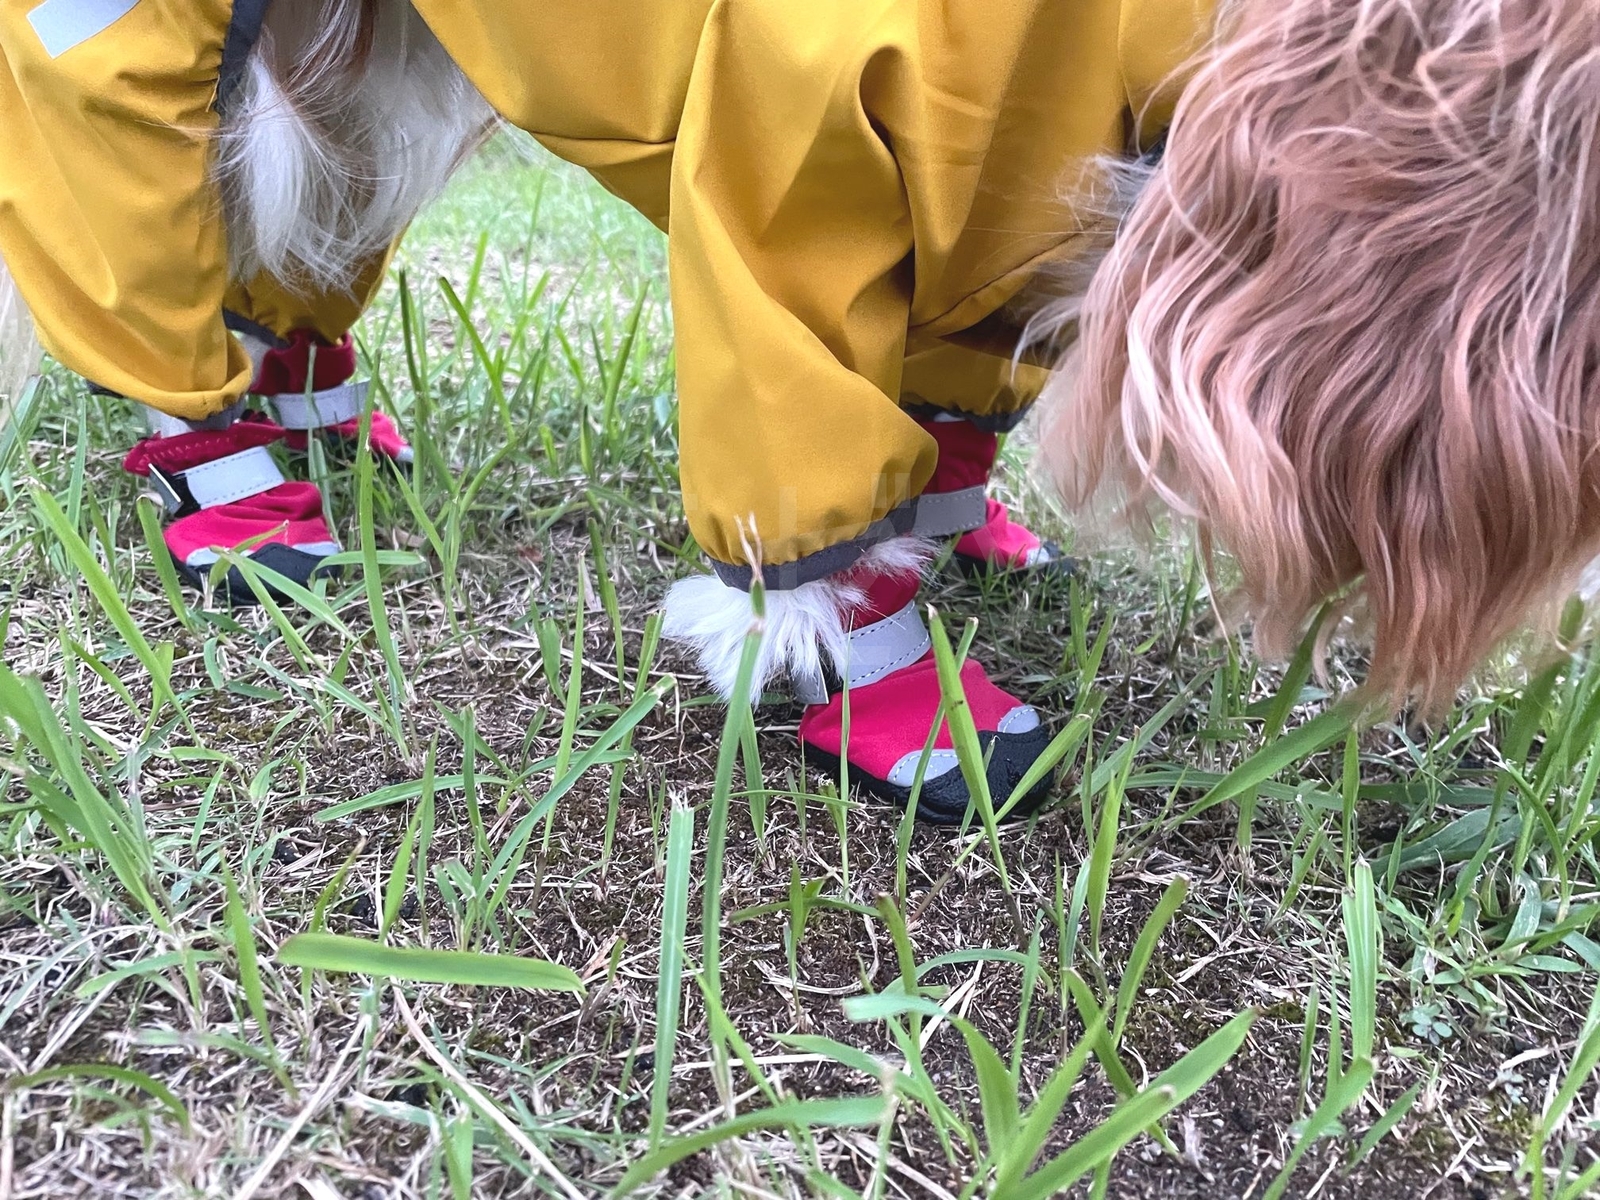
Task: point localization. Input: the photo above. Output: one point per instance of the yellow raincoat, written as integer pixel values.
(845, 184)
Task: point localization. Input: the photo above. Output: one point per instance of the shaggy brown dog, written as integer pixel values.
(1350, 325)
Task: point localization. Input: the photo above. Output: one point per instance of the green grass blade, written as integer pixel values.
(1143, 950)
(734, 721)
(1343, 1094)
(669, 976)
(105, 594)
(458, 1155)
(156, 964)
(1013, 1160)
(847, 1113)
(1365, 949)
(1584, 1062)
(964, 736)
(1126, 1122)
(1311, 738)
(1108, 823)
(1171, 1088)
(159, 1091)
(1396, 1113)
(372, 577)
(1069, 740)
(997, 1094)
(105, 822)
(394, 890)
(249, 966)
(335, 952)
(161, 559)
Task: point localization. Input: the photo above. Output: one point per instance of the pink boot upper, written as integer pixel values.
(223, 491)
(1002, 542)
(989, 539)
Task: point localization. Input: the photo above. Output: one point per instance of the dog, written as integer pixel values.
(1338, 306)
(1350, 324)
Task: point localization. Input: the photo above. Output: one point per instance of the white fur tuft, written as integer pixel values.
(802, 624)
(898, 556)
(327, 153)
(19, 351)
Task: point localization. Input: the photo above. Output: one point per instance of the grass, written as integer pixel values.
(448, 881)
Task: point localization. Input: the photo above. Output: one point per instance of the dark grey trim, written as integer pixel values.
(824, 562)
(244, 30)
(989, 423)
(245, 325)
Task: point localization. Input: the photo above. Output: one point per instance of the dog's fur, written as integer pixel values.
(1351, 328)
(350, 117)
(804, 628)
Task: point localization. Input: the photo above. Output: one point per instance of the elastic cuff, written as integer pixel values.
(245, 327)
(828, 561)
(930, 515)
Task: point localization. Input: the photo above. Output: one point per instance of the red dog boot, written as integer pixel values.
(223, 490)
(956, 502)
(863, 629)
(311, 393)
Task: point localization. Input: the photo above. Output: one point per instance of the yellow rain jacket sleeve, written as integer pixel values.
(108, 219)
(837, 177)
(840, 179)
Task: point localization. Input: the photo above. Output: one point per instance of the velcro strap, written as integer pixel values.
(335, 406)
(940, 514)
(882, 648)
(221, 481)
(876, 652)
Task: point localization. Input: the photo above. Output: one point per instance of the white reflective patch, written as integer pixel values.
(334, 406)
(940, 762)
(63, 24)
(940, 514)
(208, 558)
(882, 648)
(225, 480)
(1023, 719)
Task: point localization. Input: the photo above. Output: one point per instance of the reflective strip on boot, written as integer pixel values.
(940, 514)
(1022, 719)
(875, 652)
(333, 406)
(213, 484)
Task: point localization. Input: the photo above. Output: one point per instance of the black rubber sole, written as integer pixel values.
(945, 800)
(1060, 567)
(292, 564)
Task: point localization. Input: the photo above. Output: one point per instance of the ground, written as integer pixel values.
(473, 741)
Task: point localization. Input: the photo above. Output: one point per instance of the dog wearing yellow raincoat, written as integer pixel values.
(863, 203)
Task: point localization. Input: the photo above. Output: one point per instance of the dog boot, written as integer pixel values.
(222, 489)
(305, 384)
(894, 696)
(956, 501)
(862, 627)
